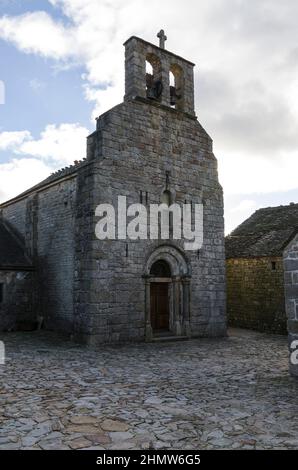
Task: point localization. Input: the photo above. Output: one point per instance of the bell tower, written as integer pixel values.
(157, 76)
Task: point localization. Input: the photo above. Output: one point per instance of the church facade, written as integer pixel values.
(150, 149)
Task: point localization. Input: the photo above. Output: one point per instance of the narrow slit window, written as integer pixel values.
(143, 197)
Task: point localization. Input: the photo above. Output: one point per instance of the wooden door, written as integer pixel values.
(159, 305)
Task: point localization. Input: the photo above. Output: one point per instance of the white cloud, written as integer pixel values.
(246, 88)
(241, 175)
(246, 79)
(245, 205)
(57, 146)
(38, 33)
(234, 215)
(20, 174)
(12, 140)
(62, 144)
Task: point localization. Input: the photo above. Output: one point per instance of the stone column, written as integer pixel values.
(148, 327)
(176, 306)
(186, 306)
(166, 84)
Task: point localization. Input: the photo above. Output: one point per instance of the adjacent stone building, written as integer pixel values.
(257, 274)
(151, 149)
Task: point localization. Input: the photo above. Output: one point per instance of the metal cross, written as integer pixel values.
(162, 38)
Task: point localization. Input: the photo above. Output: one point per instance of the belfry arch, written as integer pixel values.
(167, 293)
(176, 81)
(154, 85)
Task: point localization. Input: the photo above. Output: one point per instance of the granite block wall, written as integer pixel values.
(255, 294)
(45, 219)
(136, 148)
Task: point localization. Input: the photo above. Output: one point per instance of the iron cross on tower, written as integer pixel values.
(162, 38)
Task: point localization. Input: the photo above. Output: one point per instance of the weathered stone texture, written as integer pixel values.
(17, 310)
(137, 52)
(45, 218)
(55, 253)
(255, 294)
(291, 295)
(139, 143)
(16, 214)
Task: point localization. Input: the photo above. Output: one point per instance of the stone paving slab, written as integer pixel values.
(231, 393)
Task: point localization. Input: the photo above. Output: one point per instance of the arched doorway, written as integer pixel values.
(160, 273)
(167, 292)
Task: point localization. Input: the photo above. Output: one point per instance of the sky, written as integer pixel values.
(62, 65)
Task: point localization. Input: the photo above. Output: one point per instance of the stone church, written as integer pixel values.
(150, 148)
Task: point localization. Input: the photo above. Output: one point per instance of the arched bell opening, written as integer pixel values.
(176, 81)
(154, 86)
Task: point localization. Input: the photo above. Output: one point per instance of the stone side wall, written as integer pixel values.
(55, 254)
(291, 296)
(134, 147)
(17, 310)
(255, 294)
(46, 221)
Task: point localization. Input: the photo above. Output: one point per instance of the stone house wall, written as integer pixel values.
(255, 294)
(290, 260)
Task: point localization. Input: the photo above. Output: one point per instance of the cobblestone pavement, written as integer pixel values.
(199, 394)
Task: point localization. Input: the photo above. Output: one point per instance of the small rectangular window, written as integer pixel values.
(144, 197)
(273, 265)
(1, 292)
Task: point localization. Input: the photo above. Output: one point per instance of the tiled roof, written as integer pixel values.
(266, 233)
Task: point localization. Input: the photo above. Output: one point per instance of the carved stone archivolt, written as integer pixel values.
(179, 289)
